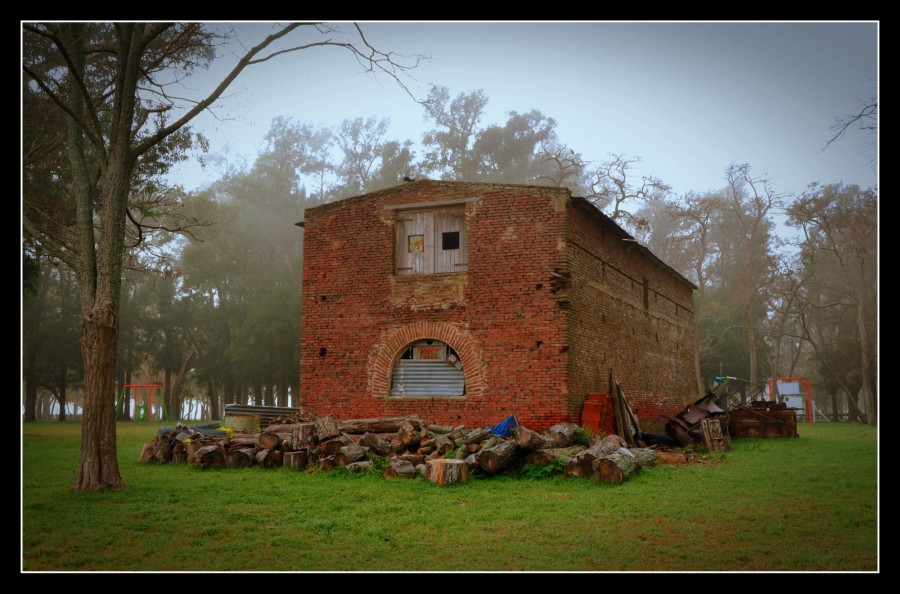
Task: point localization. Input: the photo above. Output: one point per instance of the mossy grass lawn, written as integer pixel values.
(805, 504)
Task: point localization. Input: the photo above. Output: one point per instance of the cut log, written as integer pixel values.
(440, 429)
(420, 470)
(552, 455)
(563, 435)
(500, 456)
(349, 454)
(266, 458)
(268, 440)
(671, 458)
(379, 425)
(147, 452)
(163, 451)
(400, 469)
(361, 466)
(488, 443)
(462, 453)
(582, 464)
(333, 446)
(179, 453)
(530, 440)
(327, 463)
(645, 457)
(414, 459)
(238, 459)
(209, 457)
(424, 451)
(298, 460)
(327, 428)
(377, 446)
(477, 435)
(303, 435)
(458, 432)
(408, 435)
(615, 468)
(442, 443)
(472, 462)
(446, 472)
(248, 439)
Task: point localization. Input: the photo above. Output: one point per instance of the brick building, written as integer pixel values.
(465, 303)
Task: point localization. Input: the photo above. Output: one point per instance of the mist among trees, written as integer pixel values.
(206, 294)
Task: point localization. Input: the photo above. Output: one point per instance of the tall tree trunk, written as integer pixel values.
(30, 399)
(30, 355)
(99, 465)
(834, 405)
(269, 396)
(213, 400)
(868, 395)
(229, 388)
(172, 413)
(257, 394)
(751, 340)
(61, 395)
(175, 402)
(241, 394)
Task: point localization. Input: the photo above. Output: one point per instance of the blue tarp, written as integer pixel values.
(505, 427)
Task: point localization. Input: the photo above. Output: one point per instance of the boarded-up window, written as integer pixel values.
(428, 368)
(431, 241)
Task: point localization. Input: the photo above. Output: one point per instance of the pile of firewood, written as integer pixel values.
(408, 446)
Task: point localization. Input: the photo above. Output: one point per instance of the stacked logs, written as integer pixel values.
(408, 446)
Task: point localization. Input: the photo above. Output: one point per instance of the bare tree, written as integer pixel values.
(865, 120)
(613, 188)
(113, 83)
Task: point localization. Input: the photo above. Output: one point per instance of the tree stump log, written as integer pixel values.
(379, 425)
(179, 453)
(582, 464)
(363, 465)
(442, 443)
(563, 434)
(615, 468)
(349, 454)
(500, 456)
(327, 463)
(409, 435)
(446, 471)
(530, 440)
(671, 458)
(266, 458)
(477, 435)
(239, 458)
(327, 428)
(552, 455)
(645, 457)
(209, 457)
(148, 451)
(268, 440)
(400, 469)
(414, 459)
(472, 462)
(298, 460)
(377, 446)
(440, 429)
(334, 445)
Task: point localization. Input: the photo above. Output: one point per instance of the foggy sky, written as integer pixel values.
(689, 98)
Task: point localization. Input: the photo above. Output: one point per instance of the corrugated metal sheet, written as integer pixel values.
(423, 377)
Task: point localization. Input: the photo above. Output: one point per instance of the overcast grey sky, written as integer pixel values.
(688, 98)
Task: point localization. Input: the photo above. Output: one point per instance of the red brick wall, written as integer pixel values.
(649, 347)
(500, 316)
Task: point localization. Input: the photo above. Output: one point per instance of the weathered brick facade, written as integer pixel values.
(553, 299)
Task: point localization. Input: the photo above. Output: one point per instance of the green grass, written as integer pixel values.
(806, 504)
